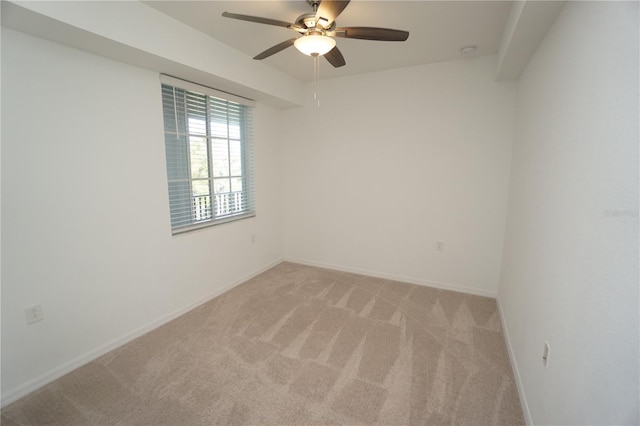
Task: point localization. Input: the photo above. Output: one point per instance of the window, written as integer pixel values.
(208, 142)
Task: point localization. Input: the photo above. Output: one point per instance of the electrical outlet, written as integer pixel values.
(34, 314)
(439, 245)
(545, 355)
(253, 238)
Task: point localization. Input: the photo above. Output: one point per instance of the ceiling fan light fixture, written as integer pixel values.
(314, 44)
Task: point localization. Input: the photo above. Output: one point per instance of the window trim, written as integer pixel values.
(212, 222)
(194, 87)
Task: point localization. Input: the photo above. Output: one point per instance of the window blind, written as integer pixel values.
(209, 153)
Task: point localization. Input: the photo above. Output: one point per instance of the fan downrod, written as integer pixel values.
(314, 4)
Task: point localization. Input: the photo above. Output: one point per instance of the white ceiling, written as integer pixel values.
(438, 30)
(196, 43)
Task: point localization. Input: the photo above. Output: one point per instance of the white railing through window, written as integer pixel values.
(227, 203)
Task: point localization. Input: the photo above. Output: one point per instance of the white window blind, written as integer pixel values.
(209, 149)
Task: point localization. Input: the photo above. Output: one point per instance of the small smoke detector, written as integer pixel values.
(468, 50)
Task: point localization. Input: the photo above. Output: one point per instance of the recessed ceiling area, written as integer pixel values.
(192, 39)
(438, 30)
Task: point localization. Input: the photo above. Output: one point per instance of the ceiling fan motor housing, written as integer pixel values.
(308, 20)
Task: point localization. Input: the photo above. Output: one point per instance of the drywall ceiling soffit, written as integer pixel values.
(134, 33)
(529, 22)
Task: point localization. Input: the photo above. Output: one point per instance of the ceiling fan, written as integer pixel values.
(318, 29)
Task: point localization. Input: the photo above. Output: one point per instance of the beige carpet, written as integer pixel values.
(299, 345)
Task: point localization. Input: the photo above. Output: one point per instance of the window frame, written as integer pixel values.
(185, 222)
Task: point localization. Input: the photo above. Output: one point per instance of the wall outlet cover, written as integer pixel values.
(34, 314)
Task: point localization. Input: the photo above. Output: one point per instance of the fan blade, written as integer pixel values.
(328, 11)
(275, 49)
(372, 33)
(335, 58)
(260, 20)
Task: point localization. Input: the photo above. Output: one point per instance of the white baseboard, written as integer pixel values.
(410, 280)
(514, 367)
(56, 373)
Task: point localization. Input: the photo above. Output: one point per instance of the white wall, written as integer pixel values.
(85, 215)
(393, 161)
(570, 268)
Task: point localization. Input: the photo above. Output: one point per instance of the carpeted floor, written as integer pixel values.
(299, 345)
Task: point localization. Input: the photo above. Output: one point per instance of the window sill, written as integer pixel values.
(210, 223)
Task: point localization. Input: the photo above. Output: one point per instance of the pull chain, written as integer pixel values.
(316, 79)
